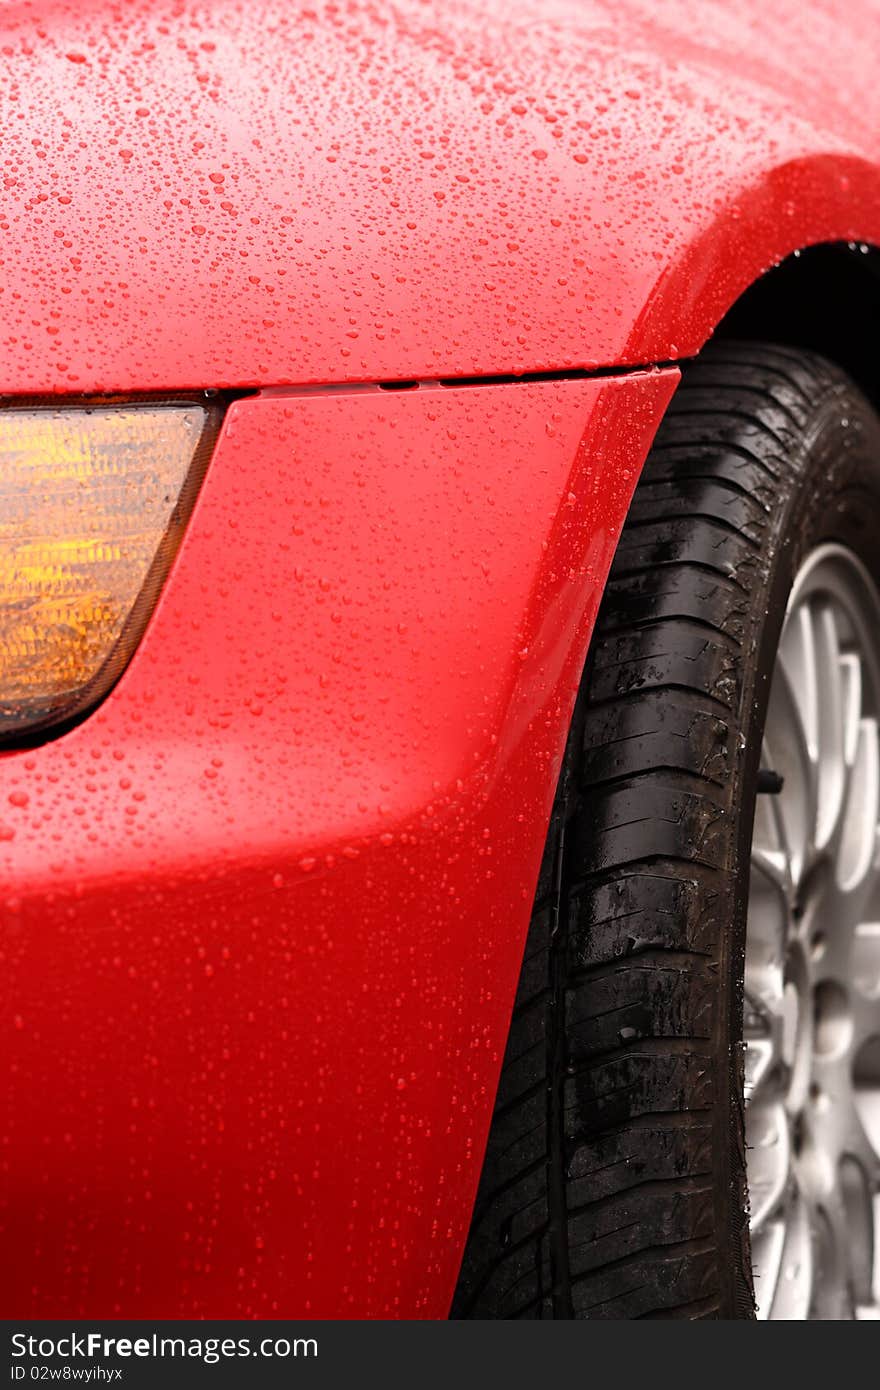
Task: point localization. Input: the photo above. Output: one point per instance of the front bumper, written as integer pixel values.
(261, 914)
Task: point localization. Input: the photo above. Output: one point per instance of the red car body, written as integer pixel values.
(262, 912)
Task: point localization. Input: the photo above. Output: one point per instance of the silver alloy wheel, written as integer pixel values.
(812, 971)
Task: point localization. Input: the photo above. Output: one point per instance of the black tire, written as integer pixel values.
(614, 1178)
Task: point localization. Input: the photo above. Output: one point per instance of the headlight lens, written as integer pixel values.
(93, 502)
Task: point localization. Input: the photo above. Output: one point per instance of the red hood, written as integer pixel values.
(231, 193)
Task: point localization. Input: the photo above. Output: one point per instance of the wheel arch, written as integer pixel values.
(825, 299)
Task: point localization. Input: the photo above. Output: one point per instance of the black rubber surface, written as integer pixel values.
(614, 1178)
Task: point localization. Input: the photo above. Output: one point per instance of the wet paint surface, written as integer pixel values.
(228, 193)
(262, 912)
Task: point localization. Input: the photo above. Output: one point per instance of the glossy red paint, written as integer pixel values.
(269, 900)
(261, 914)
(229, 193)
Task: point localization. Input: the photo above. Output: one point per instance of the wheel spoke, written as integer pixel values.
(831, 705)
(866, 962)
(870, 1309)
(860, 1212)
(831, 1298)
(773, 866)
(769, 906)
(761, 1032)
(767, 1247)
(797, 658)
(858, 831)
(793, 1293)
(865, 1092)
(769, 1160)
(851, 675)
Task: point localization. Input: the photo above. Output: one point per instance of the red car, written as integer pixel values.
(440, 658)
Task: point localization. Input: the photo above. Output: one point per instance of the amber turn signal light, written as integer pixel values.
(93, 502)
